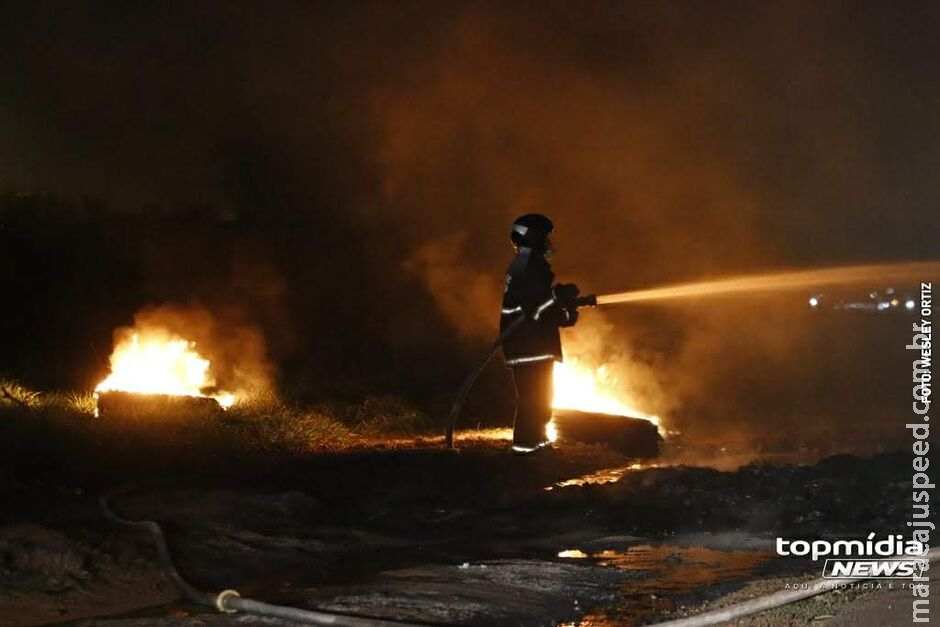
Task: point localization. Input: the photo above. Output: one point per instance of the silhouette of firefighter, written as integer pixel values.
(532, 350)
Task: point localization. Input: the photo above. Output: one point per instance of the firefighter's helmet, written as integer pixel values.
(531, 230)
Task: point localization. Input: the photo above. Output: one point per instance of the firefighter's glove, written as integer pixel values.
(566, 295)
(569, 317)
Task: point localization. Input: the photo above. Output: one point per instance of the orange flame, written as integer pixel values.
(583, 388)
(154, 361)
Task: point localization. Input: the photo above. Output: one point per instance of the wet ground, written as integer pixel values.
(668, 573)
(578, 535)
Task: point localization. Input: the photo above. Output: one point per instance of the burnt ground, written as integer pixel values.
(424, 535)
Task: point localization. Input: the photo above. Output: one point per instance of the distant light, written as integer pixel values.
(894, 302)
(909, 304)
(813, 302)
(883, 305)
(573, 554)
(873, 295)
(889, 291)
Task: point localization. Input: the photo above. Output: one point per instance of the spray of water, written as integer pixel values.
(784, 280)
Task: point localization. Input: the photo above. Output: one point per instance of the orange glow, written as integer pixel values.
(551, 433)
(604, 475)
(583, 388)
(155, 361)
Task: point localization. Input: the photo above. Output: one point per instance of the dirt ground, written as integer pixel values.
(579, 535)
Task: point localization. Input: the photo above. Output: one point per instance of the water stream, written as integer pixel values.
(886, 273)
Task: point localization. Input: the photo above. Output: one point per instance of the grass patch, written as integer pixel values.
(262, 422)
(62, 428)
(377, 416)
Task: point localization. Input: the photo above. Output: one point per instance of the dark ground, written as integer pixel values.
(424, 535)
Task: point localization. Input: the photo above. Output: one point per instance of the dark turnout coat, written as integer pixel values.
(528, 293)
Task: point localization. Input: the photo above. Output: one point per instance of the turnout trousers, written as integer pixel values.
(533, 383)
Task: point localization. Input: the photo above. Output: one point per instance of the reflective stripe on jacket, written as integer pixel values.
(529, 293)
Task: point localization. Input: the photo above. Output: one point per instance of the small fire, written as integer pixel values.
(154, 361)
(583, 388)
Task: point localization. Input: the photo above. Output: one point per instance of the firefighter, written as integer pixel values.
(532, 351)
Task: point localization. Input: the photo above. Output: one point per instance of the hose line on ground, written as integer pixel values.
(229, 600)
(581, 301)
(473, 376)
(770, 601)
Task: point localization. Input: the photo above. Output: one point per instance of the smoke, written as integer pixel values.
(464, 295)
(235, 349)
(369, 158)
(664, 150)
(770, 376)
(635, 373)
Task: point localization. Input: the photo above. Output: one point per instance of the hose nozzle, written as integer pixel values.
(587, 301)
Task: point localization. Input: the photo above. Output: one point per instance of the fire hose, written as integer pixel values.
(468, 383)
(777, 599)
(230, 601)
